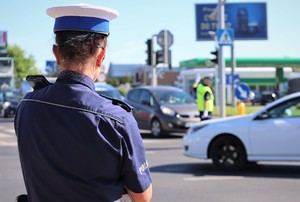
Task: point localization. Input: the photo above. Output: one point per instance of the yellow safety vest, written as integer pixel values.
(201, 89)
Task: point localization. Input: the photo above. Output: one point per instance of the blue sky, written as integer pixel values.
(29, 27)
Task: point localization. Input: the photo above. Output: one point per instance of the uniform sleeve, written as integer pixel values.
(135, 168)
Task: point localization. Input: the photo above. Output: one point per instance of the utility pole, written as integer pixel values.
(222, 67)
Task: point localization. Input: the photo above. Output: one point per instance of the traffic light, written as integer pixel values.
(160, 57)
(149, 52)
(216, 59)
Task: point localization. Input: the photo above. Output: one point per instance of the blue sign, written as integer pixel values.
(249, 20)
(235, 79)
(225, 37)
(242, 91)
(51, 66)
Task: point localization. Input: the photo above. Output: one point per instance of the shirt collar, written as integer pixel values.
(73, 77)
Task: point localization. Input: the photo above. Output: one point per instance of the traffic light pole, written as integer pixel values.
(221, 25)
(233, 65)
(153, 64)
(216, 62)
(166, 48)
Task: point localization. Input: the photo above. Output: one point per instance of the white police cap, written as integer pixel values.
(82, 17)
(208, 76)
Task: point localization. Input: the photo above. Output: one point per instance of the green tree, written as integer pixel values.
(23, 65)
(113, 81)
(127, 79)
(296, 69)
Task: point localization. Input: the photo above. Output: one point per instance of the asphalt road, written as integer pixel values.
(177, 178)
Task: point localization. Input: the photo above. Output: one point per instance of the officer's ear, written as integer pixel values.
(101, 57)
(56, 53)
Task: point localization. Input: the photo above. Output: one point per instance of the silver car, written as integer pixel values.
(162, 109)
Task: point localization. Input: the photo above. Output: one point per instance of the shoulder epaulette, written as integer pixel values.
(121, 103)
(37, 81)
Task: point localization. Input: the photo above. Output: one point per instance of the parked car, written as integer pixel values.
(256, 97)
(108, 90)
(263, 98)
(9, 100)
(162, 109)
(269, 134)
(267, 97)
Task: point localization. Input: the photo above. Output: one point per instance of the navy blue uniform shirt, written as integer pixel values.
(75, 145)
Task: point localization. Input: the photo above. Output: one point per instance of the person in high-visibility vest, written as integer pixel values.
(205, 98)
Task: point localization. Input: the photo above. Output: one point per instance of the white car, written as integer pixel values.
(269, 134)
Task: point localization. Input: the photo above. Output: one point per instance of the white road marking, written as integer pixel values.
(150, 152)
(4, 143)
(6, 136)
(202, 178)
(149, 141)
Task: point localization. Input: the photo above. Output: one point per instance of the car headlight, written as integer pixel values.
(195, 128)
(6, 105)
(168, 111)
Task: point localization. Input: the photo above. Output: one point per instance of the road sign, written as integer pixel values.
(164, 35)
(242, 91)
(51, 66)
(235, 79)
(225, 37)
(101, 77)
(3, 39)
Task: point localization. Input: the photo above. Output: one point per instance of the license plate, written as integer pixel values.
(187, 125)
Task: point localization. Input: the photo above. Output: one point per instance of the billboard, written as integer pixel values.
(249, 21)
(6, 71)
(51, 66)
(6, 67)
(3, 39)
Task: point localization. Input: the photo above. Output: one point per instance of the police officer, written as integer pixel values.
(205, 98)
(75, 145)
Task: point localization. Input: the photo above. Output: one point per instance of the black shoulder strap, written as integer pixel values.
(121, 103)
